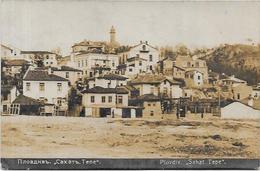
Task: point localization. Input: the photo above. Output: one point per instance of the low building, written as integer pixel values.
(48, 88)
(238, 110)
(150, 104)
(107, 102)
(24, 105)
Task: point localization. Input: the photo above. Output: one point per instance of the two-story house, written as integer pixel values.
(106, 102)
(48, 88)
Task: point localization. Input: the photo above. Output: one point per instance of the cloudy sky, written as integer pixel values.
(44, 25)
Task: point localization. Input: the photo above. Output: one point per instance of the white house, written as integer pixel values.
(107, 81)
(106, 102)
(194, 78)
(140, 58)
(48, 58)
(238, 110)
(93, 64)
(157, 85)
(46, 87)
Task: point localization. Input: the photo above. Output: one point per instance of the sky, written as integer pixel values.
(45, 25)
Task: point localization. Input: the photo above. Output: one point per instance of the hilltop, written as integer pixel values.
(240, 60)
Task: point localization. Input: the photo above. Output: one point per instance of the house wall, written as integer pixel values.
(85, 62)
(86, 100)
(51, 92)
(256, 93)
(50, 60)
(152, 109)
(241, 91)
(104, 83)
(73, 75)
(238, 110)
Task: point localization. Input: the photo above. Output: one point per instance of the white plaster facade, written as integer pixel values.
(89, 62)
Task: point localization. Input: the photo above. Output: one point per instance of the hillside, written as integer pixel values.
(243, 61)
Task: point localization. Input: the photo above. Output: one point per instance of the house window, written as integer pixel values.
(149, 104)
(86, 62)
(137, 55)
(154, 104)
(47, 57)
(78, 63)
(144, 47)
(109, 99)
(164, 90)
(151, 113)
(42, 86)
(28, 86)
(46, 62)
(198, 77)
(130, 69)
(151, 67)
(59, 86)
(5, 96)
(150, 58)
(51, 62)
(103, 99)
(67, 74)
(186, 95)
(120, 99)
(238, 96)
(113, 64)
(140, 63)
(59, 101)
(86, 72)
(165, 82)
(104, 61)
(92, 99)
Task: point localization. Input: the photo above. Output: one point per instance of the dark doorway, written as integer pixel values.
(139, 113)
(105, 111)
(126, 113)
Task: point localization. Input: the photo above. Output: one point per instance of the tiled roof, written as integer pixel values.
(152, 79)
(112, 77)
(136, 59)
(99, 89)
(38, 75)
(148, 97)
(36, 52)
(16, 62)
(66, 68)
(24, 100)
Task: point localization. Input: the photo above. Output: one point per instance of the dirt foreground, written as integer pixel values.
(73, 137)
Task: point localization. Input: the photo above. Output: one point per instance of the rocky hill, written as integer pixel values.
(240, 60)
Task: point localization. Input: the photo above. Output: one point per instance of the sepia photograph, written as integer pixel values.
(124, 84)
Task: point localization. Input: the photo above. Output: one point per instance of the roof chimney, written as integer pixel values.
(141, 41)
(146, 42)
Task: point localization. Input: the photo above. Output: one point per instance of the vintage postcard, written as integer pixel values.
(124, 84)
